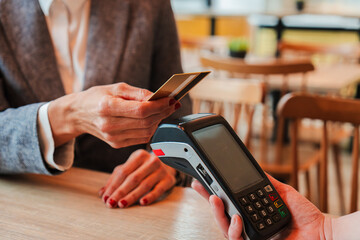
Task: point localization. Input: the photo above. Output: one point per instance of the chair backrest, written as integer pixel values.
(262, 71)
(216, 93)
(297, 106)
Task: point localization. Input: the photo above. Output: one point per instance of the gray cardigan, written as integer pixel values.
(132, 41)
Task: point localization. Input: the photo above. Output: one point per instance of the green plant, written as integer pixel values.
(238, 45)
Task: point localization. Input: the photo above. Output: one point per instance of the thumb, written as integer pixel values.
(128, 92)
(235, 228)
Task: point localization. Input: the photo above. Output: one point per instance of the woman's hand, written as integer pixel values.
(307, 221)
(142, 178)
(118, 114)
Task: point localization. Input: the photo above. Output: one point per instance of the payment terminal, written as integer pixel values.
(207, 148)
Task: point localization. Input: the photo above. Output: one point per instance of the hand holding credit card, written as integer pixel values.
(179, 85)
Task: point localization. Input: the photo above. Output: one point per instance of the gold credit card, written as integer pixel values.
(179, 85)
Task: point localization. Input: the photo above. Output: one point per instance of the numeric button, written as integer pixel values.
(258, 205)
(252, 197)
(244, 201)
(255, 217)
(265, 201)
(249, 209)
(268, 221)
(263, 213)
(260, 193)
(270, 209)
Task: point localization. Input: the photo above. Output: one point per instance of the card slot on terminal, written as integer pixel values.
(204, 174)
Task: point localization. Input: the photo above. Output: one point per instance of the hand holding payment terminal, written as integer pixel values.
(206, 147)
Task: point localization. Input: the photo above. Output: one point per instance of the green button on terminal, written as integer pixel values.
(282, 212)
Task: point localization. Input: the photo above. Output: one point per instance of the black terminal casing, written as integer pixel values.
(180, 131)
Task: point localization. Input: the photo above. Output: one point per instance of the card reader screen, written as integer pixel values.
(226, 155)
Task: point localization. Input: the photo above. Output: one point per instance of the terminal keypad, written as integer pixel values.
(263, 207)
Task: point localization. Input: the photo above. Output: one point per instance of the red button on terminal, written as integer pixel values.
(158, 152)
(273, 196)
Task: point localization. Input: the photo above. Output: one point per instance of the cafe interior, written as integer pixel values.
(264, 53)
(285, 74)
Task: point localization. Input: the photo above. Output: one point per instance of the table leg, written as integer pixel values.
(212, 25)
(279, 28)
(275, 97)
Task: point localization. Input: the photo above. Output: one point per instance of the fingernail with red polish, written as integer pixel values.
(177, 106)
(123, 203)
(145, 201)
(101, 191)
(112, 203)
(106, 198)
(172, 102)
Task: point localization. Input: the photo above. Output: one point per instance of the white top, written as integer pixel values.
(68, 22)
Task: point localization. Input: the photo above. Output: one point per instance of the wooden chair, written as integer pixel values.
(236, 93)
(212, 43)
(262, 71)
(298, 106)
(193, 47)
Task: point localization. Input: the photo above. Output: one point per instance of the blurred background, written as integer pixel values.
(313, 21)
(261, 50)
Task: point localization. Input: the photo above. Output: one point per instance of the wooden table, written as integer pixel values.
(67, 207)
(327, 78)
